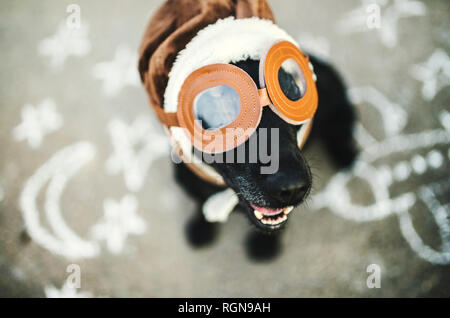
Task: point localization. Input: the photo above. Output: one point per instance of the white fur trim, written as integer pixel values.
(228, 40)
(219, 206)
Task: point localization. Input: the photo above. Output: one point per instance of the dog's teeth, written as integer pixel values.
(258, 214)
(288, 210)
(276, 221)
(311, 67)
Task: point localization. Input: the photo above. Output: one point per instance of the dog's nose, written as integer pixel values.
(288, 188)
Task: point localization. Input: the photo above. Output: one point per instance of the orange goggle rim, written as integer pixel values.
(294, 112)
(252, 99)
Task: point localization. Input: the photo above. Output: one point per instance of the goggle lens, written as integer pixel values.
(217, 107)
(291, 79)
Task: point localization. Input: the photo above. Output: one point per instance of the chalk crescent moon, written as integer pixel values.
(57, 171)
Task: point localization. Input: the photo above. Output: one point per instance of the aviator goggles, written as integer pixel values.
(220, 106)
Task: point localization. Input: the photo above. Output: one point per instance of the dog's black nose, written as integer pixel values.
(289, 188)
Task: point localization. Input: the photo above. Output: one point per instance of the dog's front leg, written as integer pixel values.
(214, 202)
(218, 207)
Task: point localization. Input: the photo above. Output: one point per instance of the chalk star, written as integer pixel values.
(434, 74)
(119, 72)
(393, 11)
(64, 43)
(65, 292)
(136, 147)
(37, 122)
(119, 220)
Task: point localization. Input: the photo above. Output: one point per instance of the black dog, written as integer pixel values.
(291, 184)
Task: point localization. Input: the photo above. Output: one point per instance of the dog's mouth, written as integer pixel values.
(270, 218)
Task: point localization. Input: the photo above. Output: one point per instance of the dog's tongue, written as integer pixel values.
(266, 211)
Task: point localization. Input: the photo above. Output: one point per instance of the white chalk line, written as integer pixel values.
(58, 170)
(119, 72)
(37, 122)
(66, 291)
(120, 219)
(64, 43)
(336, 197)
(404, 143)
(417, 245)
(441, 212)
(393, 115)
(126, 158)
(390, 13)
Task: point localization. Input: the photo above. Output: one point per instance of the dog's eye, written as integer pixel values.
(291, 79)
(217, 107)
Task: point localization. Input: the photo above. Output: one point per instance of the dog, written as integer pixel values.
(292, 183)
(189, 45)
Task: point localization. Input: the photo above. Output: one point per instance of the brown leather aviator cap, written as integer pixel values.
(173, 26)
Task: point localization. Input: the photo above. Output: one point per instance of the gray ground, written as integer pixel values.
(401, 224)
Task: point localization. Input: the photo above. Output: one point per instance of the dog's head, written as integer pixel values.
(268, 190)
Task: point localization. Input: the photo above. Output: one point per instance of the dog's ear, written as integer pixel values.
(254, 8)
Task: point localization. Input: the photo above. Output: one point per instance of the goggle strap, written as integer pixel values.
(305, 134)
(264, 99)
(168, 119)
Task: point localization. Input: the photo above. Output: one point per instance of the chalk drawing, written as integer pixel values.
(393, 116)
(66, 291)
(37, 121)
(434, 74)
(119, 220)
(444, 118)
(337, 199)
(418, 164)
(57, 171)
(64, 43)
(391, 12)
(118, 73)
(126, 158)
(441, 213)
